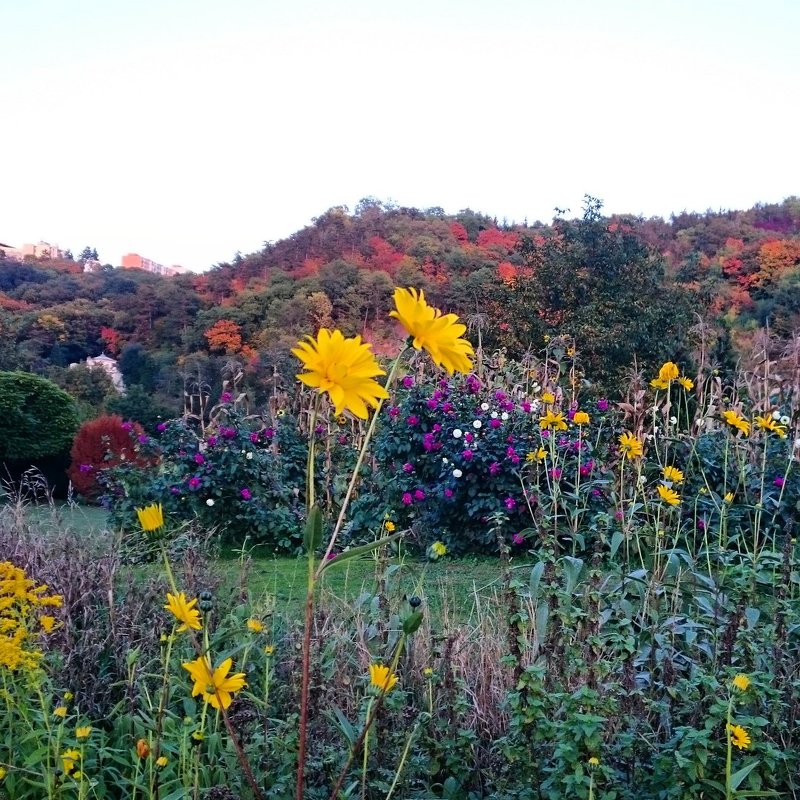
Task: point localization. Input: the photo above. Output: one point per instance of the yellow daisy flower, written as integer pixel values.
(389, 525)
(581, 418)
(739, 736)
(68, 760)
(549, 398)
(669, 496)
(255, 625)
(151, 517)
(216, 685)
(741, 682)
(630, 445)
(381, 677)
(735, 421)
(439, 548)
(687, 383)
(766, 423)
(673, 474)
(184, 611)
(83, 732)
(344, 368)
(669, 372)
(440, 334)
(551, 420)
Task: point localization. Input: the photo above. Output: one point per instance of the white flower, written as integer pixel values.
(535, 406)
(535, 388)
(445, 461)
(494, 415)
(641, 480)
(776, 415)
(209, 502)
(457, 433)
(249, 456)
(673, 420)
(504, 415)
(477, 424)
(457, 473)
(785, 420)
(484, 406)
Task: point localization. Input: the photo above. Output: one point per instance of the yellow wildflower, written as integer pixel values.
(151, 517)
(440, 334)
(381, 677)
(673, 474)
(68, 760)
(439, 548)
(3, 773)
(389, 525)
(538, 455)
(553, 421)
(255, 625)
(728, 497)
(269, 649)
(657, 383)
(766, 423)
(687, 383)
(68, 696)
(594, 761)
(60, 711)
(549, 398)
(215, 685)
(184, 611)
(630, 445)
(668, 372)
(735, 421)
(581, 418)
(427, 672)
(47, 623)
(739, 736)
(162, 762)
(669, 496)
(741, 682)
(344, 368)
(83, 732)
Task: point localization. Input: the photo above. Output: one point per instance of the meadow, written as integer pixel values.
(489, 583)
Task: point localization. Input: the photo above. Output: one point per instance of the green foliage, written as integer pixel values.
(37, 419)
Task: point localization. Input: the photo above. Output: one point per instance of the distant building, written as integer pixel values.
(135, 261)
(92, 265)
(10, 252)
(109, 366)
(39, 250)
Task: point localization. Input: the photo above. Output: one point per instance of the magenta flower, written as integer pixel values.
(518, 538)
(432, 404)
(227, 433)
(331, 556)
(143, 439)
(394, 411)
(269, 433)
(468, 437)
(494, 468)
(436, 427)
(473, 384)
(586, 469)
(779, 481)
(412, 420)
(161, 427)
(407, 499)
(194, 482)
(245, 493)
(212, 440)
(254, 437)
(510, 503)
(199, 458)
(408, 467)
(555, 473)
(175, 490)
(427, 442)
(526, 407)
(85, 467)
(467, 455)
(510, 452)
(602, 404)
(447, 407)
(342, 439)
(127, 426)
(448, 492)
(499, 395)
(227, 397)
(495, 423)
(419, 495)
(408, 381)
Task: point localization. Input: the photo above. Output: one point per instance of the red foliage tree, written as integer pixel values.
(224, 336)
(101, 443)
(112, 340)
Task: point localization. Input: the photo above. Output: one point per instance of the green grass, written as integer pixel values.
(48, 519)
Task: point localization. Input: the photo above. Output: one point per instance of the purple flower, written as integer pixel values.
(269, 433)
(175, 490)
(408, 381)
(408, 467)
(545, 434)
(161, 427)
(194, 482)
(701, 524)
(467, 455)
(407, 499)
(342, 439)
(507, 405)
(412, 420)
(254, 437)
(419, 495)
(510, 503)
(427, 442)
(447, 407)
(555, 473)
(227, 397)
(212, 440)
(468, 437)
(432, 404)
(586, 469)
(448, 492)
(495, 423)
(510, 452)
(779, 481)
(199, 458)
(143, 439)
(526, 407)
(518, 538)
(394, 411)
(228, 433)
(602, 404)
(499, 396)
(437, 427)
(510, 439)
(245, 493)
(127, 426)
(494, 468)
(331, 556)
(473, 384)
(319, 430)
(595, 492)
(85, 467)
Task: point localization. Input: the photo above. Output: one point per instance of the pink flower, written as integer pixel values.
(494, 468)
(331, 556)
(408, 381)
(394, 411)
(436, 427)
(419, 495)
(408, 467)
(407, 498)
(495, 423)
(779, 481)
(432, 404)
(161, 427)
(228, 433)
(227, 397)
(245, 493)
(468, 437)
(448, 492)
(194, 482)
(412, 420)
(254, 437)
(199, 458)
(467, 455)
(342, 439)
(518, 538)
(526, 407)
(269, 433)
(510, 503)
(555, 473)
(447, 407)
(499, 396)
(212, 440)
(127, 426)
(602, 404)
(586, 469)
(143, 439)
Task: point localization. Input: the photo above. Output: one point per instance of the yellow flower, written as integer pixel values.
(439, 548)
(739, 736)
(269, 649)
(570, 352)
(344, 368)
(728, 497)
(538, 455)
(741, 682)
(630, 445)
(381, 677)
(60, 711)
(735, 421)
(389, 525)
(552, 420)
(657, 383)
(3, 773)
(162, 761)
(440, 334)
(83, 732)
(47, 623)
(581, 418)
(68, 696)
(151, 518)
(216, 686)
(687, 383)
(548, 397)
(669, 496)
(184, 611)
(427, 672)
(766, 423)
(68, 759)
(594, 761)
(673, 474)
(255, 625)
(668, 372)
(142, 748)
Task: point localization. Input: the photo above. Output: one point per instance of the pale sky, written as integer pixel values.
(185, 130)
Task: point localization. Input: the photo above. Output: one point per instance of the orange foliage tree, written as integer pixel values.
(224, 336)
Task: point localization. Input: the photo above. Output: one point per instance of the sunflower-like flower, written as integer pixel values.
(69, 758)
(344, 368)
(741, 682)
(669, 372)
(739, 736)
(630, 445)
(657, 383)
(735, 421)
(184, 611)
(768, 424)
(581, 418)
(381, 677)
(215, 685)
(669, 496)
(538, 455)
(687, 383)
(440, 334)
(255, 625)
(151, 517)
(553, 421)
(83, 732)
(672, 474)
